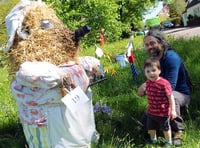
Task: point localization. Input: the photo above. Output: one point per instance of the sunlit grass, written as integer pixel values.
(121, 128)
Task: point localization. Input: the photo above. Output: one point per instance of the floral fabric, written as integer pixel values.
(46, 121)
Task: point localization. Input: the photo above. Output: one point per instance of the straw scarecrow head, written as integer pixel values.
(43, 37)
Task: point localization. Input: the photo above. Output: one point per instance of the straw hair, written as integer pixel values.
(54, 45)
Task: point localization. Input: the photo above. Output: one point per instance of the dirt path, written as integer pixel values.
(185, 32)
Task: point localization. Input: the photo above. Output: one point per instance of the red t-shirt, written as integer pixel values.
(158, 103)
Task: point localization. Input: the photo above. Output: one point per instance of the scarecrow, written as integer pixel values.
(44, 56)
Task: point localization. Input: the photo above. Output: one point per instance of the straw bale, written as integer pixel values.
(54, 45)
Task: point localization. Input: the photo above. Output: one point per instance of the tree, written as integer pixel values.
(95, 13)
(177, 7)
(167, 1)
(114, 16)
(132, 11)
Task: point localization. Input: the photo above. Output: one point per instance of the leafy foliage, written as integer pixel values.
(113, 16)
(131, 11)
(96, 14)
(177, 7)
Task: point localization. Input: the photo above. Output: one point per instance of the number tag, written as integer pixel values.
(75, 98)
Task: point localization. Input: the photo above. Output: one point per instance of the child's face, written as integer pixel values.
(152, 73)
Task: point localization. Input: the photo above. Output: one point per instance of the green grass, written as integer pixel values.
(6, 6)
(121, 128)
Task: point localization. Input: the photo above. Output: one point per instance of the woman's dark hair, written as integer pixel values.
(160, 37)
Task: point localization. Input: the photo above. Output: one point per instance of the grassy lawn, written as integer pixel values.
(121, 128)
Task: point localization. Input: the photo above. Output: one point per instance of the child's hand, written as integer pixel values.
(173, 115)
(142, 90)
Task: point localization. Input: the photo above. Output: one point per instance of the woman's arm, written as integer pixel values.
(171, 67)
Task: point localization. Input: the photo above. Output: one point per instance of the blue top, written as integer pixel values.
(173, 70)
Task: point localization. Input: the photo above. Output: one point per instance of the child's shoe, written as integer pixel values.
(154, 141)
(168, 144)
